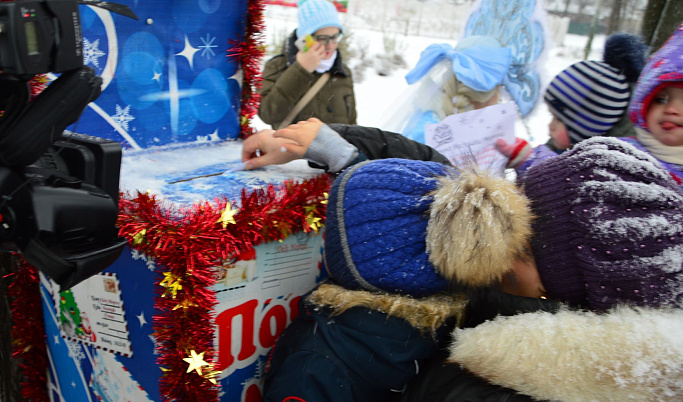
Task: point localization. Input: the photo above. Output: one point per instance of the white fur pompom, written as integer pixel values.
(478, 225)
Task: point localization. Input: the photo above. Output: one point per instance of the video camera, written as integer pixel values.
(58, 190)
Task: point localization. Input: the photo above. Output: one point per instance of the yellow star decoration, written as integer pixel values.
(211, 375)
(313, 221)
(171, 283)
(196, 362)
(139, 237)
(185, 304)
(227, 216)
(324, 202)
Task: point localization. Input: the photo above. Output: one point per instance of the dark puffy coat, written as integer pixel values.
(361, 354)
(285, 82)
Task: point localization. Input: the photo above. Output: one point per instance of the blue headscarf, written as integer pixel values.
(478, 61)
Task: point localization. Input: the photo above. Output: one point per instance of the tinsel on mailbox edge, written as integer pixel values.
(249, 54)
(186, 244)
(28, 332)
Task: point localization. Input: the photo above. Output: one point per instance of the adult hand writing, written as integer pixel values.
(262, 149)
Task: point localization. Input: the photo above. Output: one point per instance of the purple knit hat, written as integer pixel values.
(665, 66)
(609, 227)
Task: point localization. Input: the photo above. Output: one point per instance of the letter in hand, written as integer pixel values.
(268, 147)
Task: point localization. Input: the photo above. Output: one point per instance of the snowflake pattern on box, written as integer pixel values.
(166, 78)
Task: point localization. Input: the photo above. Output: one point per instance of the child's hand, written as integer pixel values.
(299, 136)
(262, 149)
(517, 153)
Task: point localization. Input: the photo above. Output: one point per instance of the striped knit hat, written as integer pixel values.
(316, 14)
(590, 97)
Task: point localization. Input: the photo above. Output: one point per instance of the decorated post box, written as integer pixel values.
(217, 258)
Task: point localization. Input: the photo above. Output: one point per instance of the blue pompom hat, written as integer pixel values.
(316, 14)
(410, 227)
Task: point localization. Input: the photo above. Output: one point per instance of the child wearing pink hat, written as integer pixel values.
(657, 106)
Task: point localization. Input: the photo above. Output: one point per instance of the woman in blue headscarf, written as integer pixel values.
(449, 80)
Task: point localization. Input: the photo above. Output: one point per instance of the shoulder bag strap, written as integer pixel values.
(304, 100)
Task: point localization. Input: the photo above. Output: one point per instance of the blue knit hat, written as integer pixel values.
(316, 14)
(411, 227)
(590, 97)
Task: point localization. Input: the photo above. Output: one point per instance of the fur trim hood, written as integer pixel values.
(626, 354)
(427, 314)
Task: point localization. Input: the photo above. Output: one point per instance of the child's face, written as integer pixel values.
(524, 280)
(665, 116)
(558, 133)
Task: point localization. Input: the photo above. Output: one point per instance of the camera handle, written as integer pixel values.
(29, 129)
(71, 270)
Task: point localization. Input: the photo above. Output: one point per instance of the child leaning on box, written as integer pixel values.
(390, 301)
(608, 243)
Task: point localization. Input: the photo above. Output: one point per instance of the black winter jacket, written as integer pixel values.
(373, 143)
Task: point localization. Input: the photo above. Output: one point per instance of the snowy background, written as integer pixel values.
(187, 173)
(377, 95)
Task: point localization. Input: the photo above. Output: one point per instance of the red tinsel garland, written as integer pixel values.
(187, 244)
(28, 328)
(248, 54)
(37, 84)
(28, 332)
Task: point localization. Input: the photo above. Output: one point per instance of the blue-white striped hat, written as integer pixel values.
(589, 97)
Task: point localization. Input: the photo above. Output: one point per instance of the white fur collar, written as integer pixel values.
(626, 354)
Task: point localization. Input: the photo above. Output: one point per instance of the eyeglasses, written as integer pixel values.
(325, 39)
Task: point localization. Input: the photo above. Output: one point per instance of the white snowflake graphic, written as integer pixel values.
(91, 52)
(206, 46)
(148, 261)
(75, 350)
(154, 342)
(122, 116)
